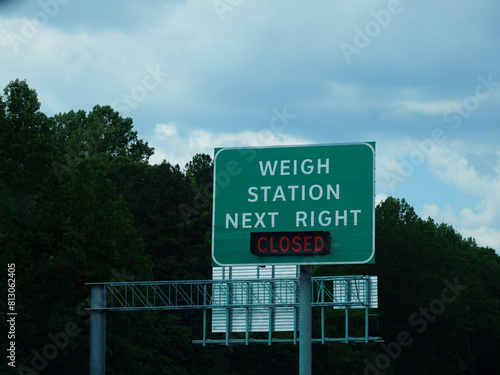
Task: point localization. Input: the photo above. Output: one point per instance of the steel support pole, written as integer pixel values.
(204, 327)
(305, 320)
(346, 324)
(98, 330)
(205, 303)
(366, 325)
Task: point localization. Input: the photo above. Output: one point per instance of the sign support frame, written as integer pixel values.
(305, 320)
(98, 330)
(197, 295)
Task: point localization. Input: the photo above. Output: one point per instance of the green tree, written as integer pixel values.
(101, 132)
(79, 203)
(26, 139)
(418, 259)
(62, 233)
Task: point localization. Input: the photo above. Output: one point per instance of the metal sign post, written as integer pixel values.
(98, 330)
(305, 320)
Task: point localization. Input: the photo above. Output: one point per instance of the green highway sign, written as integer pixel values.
(309, 204)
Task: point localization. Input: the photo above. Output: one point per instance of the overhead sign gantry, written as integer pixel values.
(273, 206)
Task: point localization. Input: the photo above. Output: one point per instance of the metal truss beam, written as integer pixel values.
(273, 340)
(216, 294)
(338, 292)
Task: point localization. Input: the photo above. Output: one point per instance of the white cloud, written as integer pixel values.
(487, 237)
(428, 108)
(446, 214)
(475, 223)
(481, 221)
(165, 130)
(430, 210)
(394, 166)
(180, 148)
(224, 74)
(451, 164)
(379, 198)
(464, 167)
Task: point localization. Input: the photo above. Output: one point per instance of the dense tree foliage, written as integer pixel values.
(79, 203)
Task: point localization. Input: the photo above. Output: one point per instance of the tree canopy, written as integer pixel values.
(79, 203)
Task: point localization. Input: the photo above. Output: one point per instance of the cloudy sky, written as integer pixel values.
(420, 78)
